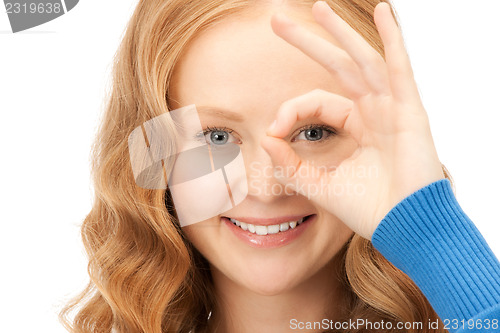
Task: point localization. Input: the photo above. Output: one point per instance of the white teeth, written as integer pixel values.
(273, 229)
(238, 223)
(263, 230)
(284, 226)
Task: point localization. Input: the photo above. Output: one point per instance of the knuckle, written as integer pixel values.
(337, 63)
(332, 65)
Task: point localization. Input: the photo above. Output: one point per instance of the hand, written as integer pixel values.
(382, 112)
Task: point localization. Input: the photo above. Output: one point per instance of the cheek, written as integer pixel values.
(201, 235)
(336, 234)
(330, 234)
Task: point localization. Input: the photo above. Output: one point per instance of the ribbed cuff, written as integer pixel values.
(487, 321)
(429, 237)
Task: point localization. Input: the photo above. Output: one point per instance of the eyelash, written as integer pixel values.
(214, 129)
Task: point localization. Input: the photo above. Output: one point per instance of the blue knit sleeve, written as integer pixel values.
(430, 238)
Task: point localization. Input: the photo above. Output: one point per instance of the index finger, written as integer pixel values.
(370, 62)
(332, 58)
(331, 108)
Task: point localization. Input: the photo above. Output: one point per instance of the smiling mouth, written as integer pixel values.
(263, 230)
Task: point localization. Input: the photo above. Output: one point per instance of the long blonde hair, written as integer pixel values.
(145, 276)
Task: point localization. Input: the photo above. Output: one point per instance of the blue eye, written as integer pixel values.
(218, 136)
(314, 133)
(311, 134)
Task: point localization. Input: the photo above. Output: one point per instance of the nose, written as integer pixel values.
(262, 185)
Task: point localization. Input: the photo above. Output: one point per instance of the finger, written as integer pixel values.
(331, 108)
(370, 62)
(331, 57)
(291, 170)
(400, 73)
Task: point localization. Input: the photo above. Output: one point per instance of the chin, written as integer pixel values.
(271, 275)
(272, 283)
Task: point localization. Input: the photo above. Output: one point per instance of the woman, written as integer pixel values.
(336, 111)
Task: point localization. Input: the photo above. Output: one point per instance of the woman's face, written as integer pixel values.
(242, 68)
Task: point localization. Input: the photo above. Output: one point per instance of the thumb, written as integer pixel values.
(290, 170)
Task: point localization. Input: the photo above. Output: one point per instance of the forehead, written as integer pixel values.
(241, 60)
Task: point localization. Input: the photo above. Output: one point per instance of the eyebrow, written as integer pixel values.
(220, 112)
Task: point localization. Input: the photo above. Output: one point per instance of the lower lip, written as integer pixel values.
(269, 241)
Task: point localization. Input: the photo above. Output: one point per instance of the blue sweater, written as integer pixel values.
(429, 237)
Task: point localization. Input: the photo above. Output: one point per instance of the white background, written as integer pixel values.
(53, 80)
